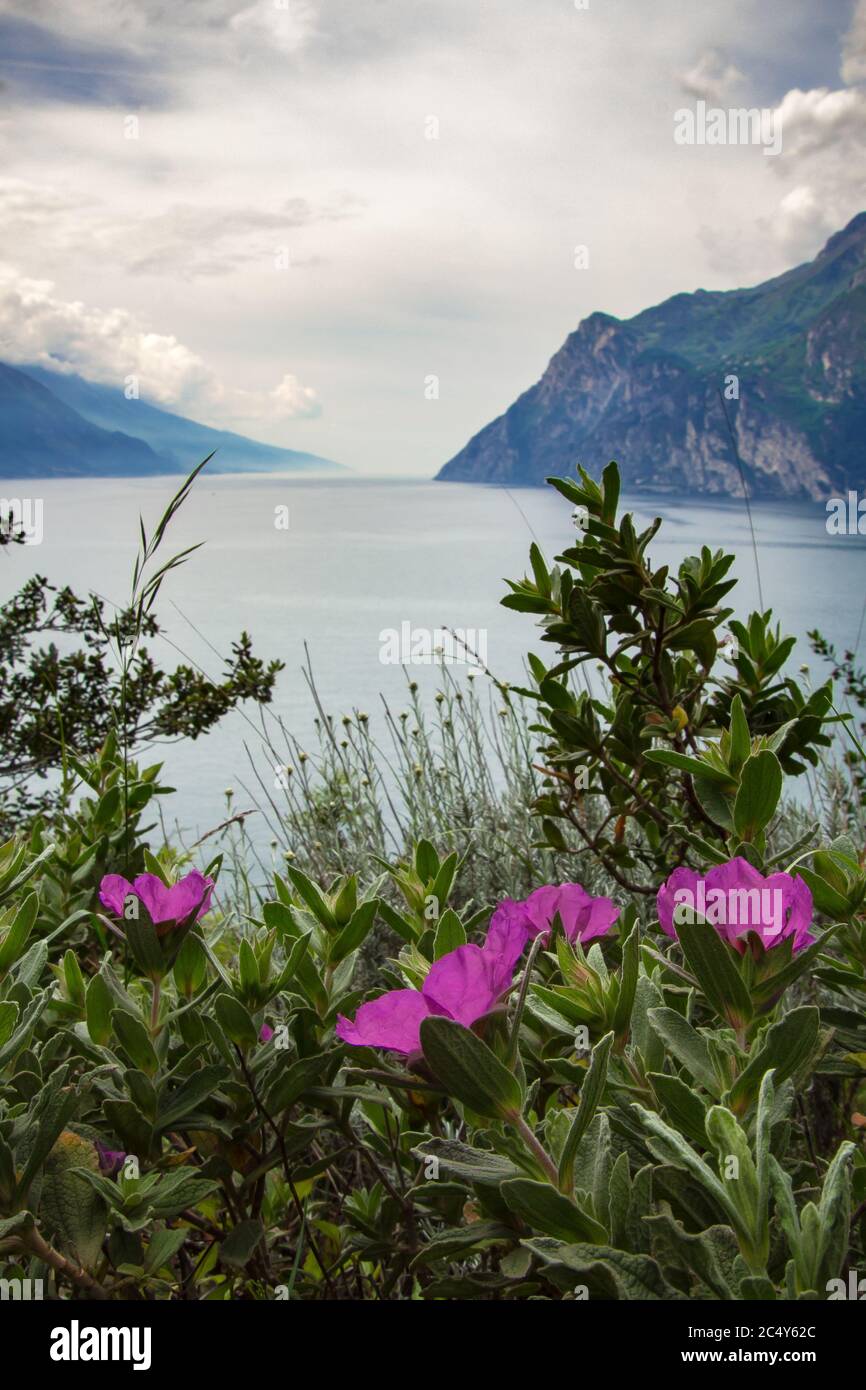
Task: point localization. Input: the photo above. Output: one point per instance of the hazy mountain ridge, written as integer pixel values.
(646, 391)
(55, 424)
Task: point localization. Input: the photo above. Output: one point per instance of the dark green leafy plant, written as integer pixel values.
(635, 747)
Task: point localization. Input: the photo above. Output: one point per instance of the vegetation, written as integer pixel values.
(415, 1060)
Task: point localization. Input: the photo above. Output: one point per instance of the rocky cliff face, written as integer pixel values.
(645, 391)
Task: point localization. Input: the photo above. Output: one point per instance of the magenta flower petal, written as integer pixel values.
(113, 893)
(392, 1021)
(190, 895)
(110, 1160)
(508, 932)
(598, 919)
(466, 983)
(737, 900)
(583, 917)
(154, 894)
(666, 898)
(799, 909)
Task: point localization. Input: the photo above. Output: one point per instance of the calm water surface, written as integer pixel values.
(362, 556)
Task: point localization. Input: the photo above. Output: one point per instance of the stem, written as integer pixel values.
(154, 1008)
(535, 1147)
(34, 1241)
(521, 1004)
(281, 1145)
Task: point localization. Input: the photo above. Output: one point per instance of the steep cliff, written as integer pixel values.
(645, 391)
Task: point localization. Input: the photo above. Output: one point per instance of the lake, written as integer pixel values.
(363, 556)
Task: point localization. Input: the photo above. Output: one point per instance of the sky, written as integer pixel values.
(363, 227)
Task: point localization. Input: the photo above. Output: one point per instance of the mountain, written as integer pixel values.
(645, 391)
(55, 424)
(42, 437)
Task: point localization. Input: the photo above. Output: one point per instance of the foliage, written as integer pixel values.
(639, 750)
(57, 705)
(646, 1116)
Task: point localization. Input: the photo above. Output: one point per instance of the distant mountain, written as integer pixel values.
(645, 391)
(55, 424)
(41, 437)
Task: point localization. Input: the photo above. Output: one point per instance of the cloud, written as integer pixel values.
(186, 240)
(285, 24)
(111, 346)
(266, 128)
(711, 77)
(854, 47)
(820, 120)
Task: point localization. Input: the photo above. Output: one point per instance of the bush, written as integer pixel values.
(650, 1092)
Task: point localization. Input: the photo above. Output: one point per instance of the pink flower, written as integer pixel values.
(583, 917)
(736, 899)
(464, 985)
(185, 901)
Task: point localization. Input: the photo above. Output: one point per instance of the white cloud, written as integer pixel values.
(854, 47)
(711, 77)
(286, 24)
(266, 129)
(112, 345)
(820, 119)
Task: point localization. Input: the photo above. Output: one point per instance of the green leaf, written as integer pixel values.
(627, 982)
(758, 795)
(188, 1096)
(695, 766)
(590, 1095)
(176, 1191)
(235, 1021)
(545, 1209)
(637, 1277)
(18, 933)
(468, 1070)
(133, 1038)
(164, 1245)
(354, 932)
(668, 1145)
(313, 898)
(741, 742)
(834, 1213)
(240, 1244)
(27, 1022)
(785, 1048)
(681, 1105)
(72, 1213)
(8, 1018)
(140, 932)
(469, 1164)
(449, 934)
(466, 1240)
(826, 898)
(98, 1005)
(291, 1083)
(712, 963)
(610, 493)
(687, 1045)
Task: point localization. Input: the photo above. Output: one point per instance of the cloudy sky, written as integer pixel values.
(286, 217)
